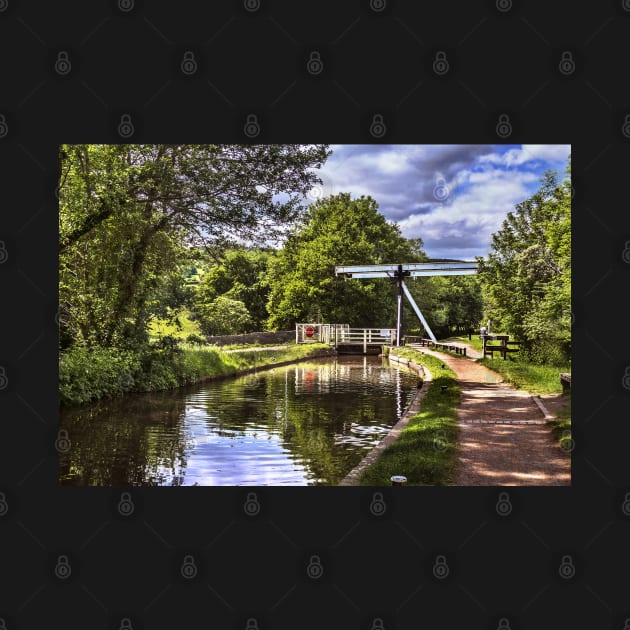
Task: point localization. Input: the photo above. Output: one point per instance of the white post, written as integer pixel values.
(364, 341)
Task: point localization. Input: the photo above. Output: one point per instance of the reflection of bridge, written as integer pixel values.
(344, 338)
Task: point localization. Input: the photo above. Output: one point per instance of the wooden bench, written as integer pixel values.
(565, 380)
(503, 347)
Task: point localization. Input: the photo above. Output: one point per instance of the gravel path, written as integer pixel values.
(504, 440)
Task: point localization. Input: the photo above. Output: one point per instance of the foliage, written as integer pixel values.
(130, 214)
(179, 324)
(527, 275)
(239, 275)
(337, 230)
(224, 316)
(449, 304)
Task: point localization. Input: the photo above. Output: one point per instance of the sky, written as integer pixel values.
(452, 196)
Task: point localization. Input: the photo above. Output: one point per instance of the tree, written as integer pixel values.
(128, 212)
(337, 230)
(449, 304)
(527, 275)
(240, 275)
(224, 316)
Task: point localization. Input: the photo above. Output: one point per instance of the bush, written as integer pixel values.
(87, 374)
(195, 340)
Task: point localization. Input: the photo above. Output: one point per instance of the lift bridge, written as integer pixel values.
(398, 273)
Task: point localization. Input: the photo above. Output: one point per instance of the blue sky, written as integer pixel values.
(452, 196)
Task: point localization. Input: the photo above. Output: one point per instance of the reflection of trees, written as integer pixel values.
(313, 407)
(136, 440)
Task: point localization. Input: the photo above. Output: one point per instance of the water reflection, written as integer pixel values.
(304, 424)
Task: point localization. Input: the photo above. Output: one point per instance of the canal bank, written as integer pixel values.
(90, 374)
(425, 448)
(354, 476)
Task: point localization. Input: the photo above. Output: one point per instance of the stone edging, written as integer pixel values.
(352, 478)
(543, 409)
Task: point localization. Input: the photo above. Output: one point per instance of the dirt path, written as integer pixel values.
(504, 440)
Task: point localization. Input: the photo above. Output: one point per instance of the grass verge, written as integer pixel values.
(537, 379)
(426, 450)
(86, 375)
(561, 427)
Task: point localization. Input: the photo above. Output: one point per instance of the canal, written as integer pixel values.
(308, 423)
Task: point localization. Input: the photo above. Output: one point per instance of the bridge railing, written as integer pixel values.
(317, 333)
(335, 334)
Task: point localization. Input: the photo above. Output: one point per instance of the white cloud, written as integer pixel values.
(484, 183)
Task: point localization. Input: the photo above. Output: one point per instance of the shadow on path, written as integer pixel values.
(504, 440)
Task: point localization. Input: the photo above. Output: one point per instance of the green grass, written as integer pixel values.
(561, 427)
(162, 328)
(536, 379)
(426, 450)
(474, 342)
(240, 346)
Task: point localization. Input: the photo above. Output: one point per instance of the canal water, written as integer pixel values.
(308, 423)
